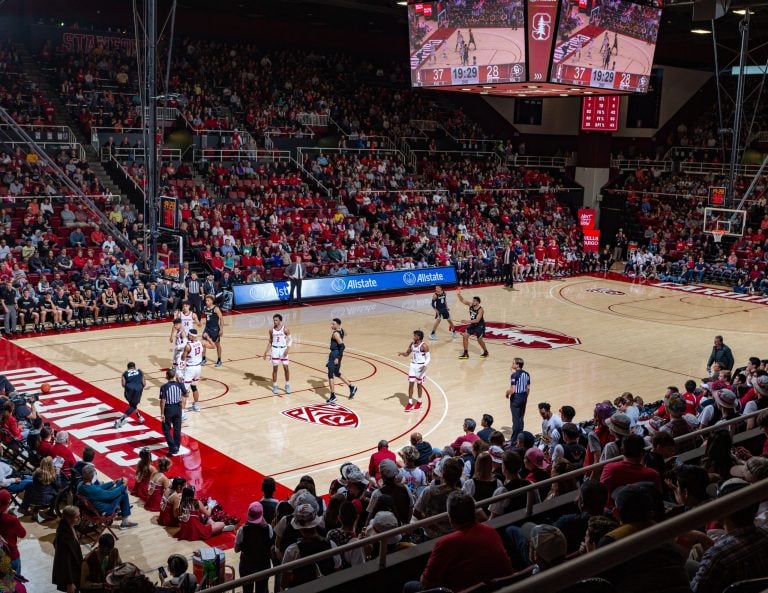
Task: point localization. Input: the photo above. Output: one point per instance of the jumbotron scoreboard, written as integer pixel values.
(534, 47)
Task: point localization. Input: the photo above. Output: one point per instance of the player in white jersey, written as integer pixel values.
(192, 364)
(189, 318)
(179, 340)
(278, 345)
(418, 350)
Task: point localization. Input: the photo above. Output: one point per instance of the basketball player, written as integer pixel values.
(192, 364)
(476, 325)
(334, 361)
(471, 40)
(459, 42)
(179, 340)
(279, 342)
(133, 382)
(418, 350)
(214, 328)
(615, 48)
(189, 318)
(27, 308)
(440, 305)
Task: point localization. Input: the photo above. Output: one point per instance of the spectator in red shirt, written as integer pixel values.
(45, 445)
(61, 449)
(631, 469)
(11, 530)
(469, 435)
(471, 554)
(380, 455)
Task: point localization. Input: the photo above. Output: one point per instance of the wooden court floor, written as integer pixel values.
(584, 339)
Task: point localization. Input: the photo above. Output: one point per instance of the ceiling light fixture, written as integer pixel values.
(701, 31)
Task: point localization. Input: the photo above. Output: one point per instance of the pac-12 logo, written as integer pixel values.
(325, 414)
(338, 285)
(525, 337)
(542, 26)
(409, 278)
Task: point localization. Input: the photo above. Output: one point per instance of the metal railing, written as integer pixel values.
(123, 171)
(320, 120)
(226, 154)
(137, 153)
(542, 162)
(163, 113)
(49, 134)
(424, 125)
(493, 155)
(529, 491)
(95, 138)
(635, 164)
(58, 146)
(717, 169)
(299, 161)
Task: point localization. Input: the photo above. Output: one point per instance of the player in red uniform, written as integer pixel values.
(539, 255)
(552, 255)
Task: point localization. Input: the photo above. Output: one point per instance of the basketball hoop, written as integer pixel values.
(717, 235)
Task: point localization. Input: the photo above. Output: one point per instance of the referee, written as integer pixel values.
(517, 395)
(170, 410)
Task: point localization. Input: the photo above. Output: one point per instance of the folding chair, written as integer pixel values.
(92, 522)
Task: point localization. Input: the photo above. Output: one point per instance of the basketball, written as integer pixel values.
(45, 388)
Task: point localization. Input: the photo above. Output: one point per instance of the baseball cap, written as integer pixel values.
(384, 521)
(536, 457)
(761, 385)
(355, 476)
(725, 398)
(755, 469)
(731, 486)
(255, 514)
(619, 424)
(305, 517)
(548, 542)
(388, 468)
(496, 453)
(121, 572)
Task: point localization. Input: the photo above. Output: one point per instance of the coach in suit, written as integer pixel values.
(296, 272)
(67, 558)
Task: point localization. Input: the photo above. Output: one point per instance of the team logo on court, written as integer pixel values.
(326, 414)
(409, 278)
(606, 291)
(542, 26)
(338, 285)
(525, 337)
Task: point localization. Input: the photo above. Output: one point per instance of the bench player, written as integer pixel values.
(279, 343)
(418, 350)
(440, 305)
(192, 361)
(214, 328)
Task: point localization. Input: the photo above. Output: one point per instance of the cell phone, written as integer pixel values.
(162, 573)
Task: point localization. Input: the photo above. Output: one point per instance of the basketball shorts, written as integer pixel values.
(476, 329)
(442, 314)
(416, 375)
(213, 334)
(279, 356)
(191, 374)
(334, 370)
(133, 396)
(177, 353)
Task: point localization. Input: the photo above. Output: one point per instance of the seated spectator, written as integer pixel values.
(471, 554)
(306, 521)
(395, 489)
(570, 449)
(741, 554)
(593, 497)
(158, 483)
(548, 547)
(718, 455)
(483, 483)
(485, 432)
(469, 435)
(754, 470)
(179, 579)
(98, 564)
(663, 448)
(423, 447)
(61, 449)
(108, 497)
(511, 466)
(195, 518)
(345, 534)
(381, 454)
(254, 543)
(434, 497)
(44, 488)
(630, 469)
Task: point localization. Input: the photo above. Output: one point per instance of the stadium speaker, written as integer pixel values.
(709, 10)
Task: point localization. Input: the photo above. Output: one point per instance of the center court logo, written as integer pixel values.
(606, 291)
(338, 285)
(333, 415)
(409, 278)
(525, 337)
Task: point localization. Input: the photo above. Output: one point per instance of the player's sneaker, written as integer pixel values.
(409, 407)
(184, 416)
(288, 388)
(332, 399)
(454, 334)
(119, 422)
(352, 391)
(274, 388)
(141, 419)
(218, 364)
(484, 354)
(464, 356)
(417, 406)
(204, 361)
(432, 337)
(195, 407)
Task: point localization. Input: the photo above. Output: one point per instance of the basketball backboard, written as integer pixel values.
(731, 222)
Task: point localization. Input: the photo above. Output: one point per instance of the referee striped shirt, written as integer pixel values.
(172, 392)
(194, 287)
(520, 380)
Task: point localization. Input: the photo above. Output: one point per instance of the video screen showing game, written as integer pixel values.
(467, 42)
(607, 44)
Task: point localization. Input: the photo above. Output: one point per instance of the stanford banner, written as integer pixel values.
(587, 218)
(591, 240)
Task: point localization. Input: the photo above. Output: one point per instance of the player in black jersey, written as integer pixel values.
(334, 361)
(133, 382)
(48, 311)
(79, 309)
(214, 328)
(27, 307)
(61, 300)
(440, 305)
(476, 325)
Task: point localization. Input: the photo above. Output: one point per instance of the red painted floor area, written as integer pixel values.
(88, 414)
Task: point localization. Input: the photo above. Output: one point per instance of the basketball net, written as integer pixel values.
(718, 235)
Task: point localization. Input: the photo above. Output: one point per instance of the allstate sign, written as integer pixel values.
(318, 288)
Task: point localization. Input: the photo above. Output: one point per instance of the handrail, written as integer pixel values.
(634, 164)
(598, 561)
(717, 168)
(654, 193)
(494, 155)
(54, 129)
(546, 162)
(299, 161)
(227, 154)
(58, 145)
(319, 120)
(126, 174)
(403, 529)
(526, 189)
(163, 113)
(134, 153)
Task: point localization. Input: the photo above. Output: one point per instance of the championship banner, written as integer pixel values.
(587, 218)
(591, 240)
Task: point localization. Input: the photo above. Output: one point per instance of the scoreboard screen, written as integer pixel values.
(600, 114)
(474, 42)
(607, 44)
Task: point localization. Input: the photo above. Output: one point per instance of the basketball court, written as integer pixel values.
(493, 45)
(584, 339)
(633, 55)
